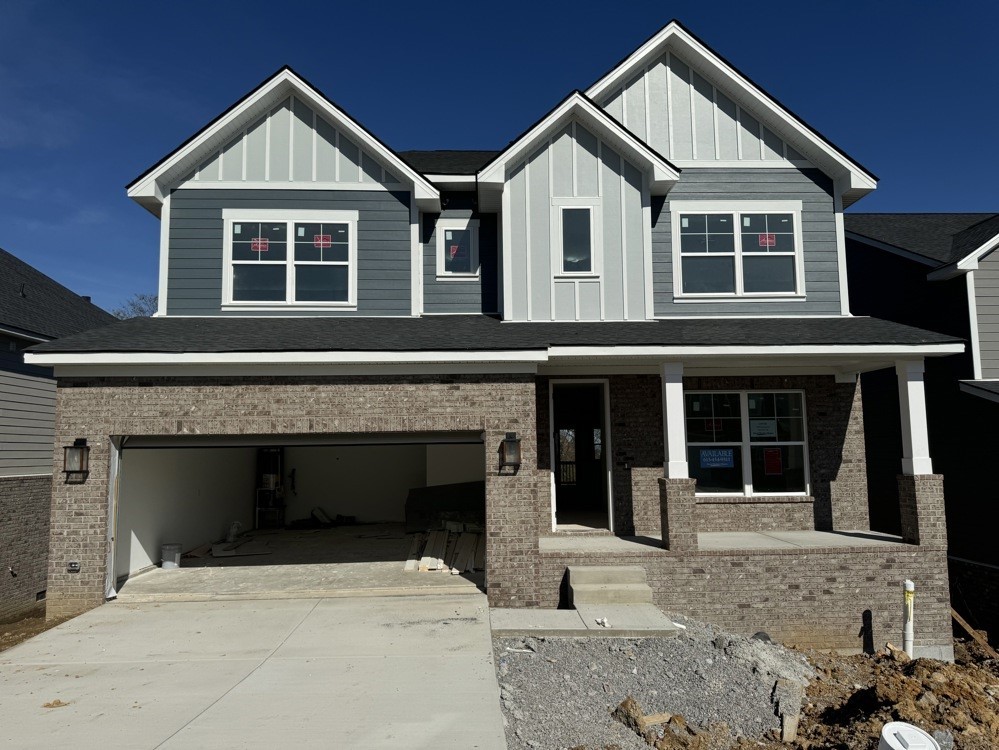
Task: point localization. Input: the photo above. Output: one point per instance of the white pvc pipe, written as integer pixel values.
(908, 605)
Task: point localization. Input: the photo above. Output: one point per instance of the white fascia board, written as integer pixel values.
(285, 82)
(695, 352)
(456, 182)
(968, 263)
(281, 358)
(803, 138)
(661, 173)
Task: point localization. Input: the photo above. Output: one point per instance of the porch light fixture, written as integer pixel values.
(510, 452)
(76, 461)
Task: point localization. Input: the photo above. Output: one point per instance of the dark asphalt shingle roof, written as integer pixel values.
(988, 389)
(448, 162)
(941, 237)
(473, 333)
(32, 303)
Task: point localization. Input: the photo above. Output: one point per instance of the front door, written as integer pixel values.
(580, 459)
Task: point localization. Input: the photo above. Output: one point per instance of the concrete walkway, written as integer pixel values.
(393, 672)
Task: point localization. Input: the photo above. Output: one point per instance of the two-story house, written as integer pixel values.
(631, 324)
(944, 271)
(33, 308)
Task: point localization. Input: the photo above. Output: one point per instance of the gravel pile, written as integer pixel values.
(560, 692)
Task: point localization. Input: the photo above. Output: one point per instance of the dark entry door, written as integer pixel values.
(580, 460)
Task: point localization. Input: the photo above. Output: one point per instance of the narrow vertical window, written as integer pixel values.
(577, 240)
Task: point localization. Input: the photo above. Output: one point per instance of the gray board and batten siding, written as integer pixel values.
(684, 117)
(466, 295)
(292, 143)
(987, 307)
(818, 230)
(27, 422)
(576, 164)
(384, 246)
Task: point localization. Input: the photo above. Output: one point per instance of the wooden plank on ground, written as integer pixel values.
(466, 558)
(458, 563)
(480, 552)
(449, 550)
(974, 634)
(415, 550)
(431, 556)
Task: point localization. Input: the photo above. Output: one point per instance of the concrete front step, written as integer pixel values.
(610, 593)
(606, 574)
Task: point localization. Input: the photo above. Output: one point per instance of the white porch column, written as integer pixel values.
(674, 425)
(912, 407)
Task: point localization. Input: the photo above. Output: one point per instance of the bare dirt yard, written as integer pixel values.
(12, 633)
(709, 690)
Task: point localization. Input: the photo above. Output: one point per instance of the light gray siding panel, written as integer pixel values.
(256, 151)
(634, 237)
(634, 102)
(821, 267)
(209, 169)
(565, 300)
(987, 306)
(280, 141)
(587, 181)
(562, 163)
(773, 147)
(728, 128)
(232, 160)
(349, 160)
(615, 106)
(658, 107)
(704, 116)
(541, 252)
(194, 277)
(589, 300)
(749, 135)
(302, 147)
(518, 242)
(27, 423)
(683, 135)
(371, 169)
(325, 151)
(614, 294)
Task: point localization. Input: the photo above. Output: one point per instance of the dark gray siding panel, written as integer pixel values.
(479, 296)
(818, 227)
(987, 305)
(384, 249)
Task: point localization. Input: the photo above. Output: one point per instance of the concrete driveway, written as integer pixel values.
(374, 672)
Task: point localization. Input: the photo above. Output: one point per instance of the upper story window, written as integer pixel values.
(276, 257)
(741, 249)
(575, 230)
(457, 249)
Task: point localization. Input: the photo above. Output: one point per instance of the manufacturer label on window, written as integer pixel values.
(768, 239)
(259, 244)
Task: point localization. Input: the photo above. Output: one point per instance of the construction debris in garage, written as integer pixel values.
(451, 549)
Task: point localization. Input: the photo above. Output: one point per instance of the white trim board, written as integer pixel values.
(968, 263)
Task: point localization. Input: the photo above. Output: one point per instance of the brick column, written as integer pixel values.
(679, 524)
(921, 502)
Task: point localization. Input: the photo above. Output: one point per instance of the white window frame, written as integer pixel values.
(596, 237)
(747, 443)
(445, 225)
(737, 208)
(289, 217)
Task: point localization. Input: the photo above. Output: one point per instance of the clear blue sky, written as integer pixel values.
(93, 93)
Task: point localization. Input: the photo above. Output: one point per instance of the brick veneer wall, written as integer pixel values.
(24, 543)
(771, 514)
(516, 505)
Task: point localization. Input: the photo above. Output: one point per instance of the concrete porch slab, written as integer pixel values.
(626, 621)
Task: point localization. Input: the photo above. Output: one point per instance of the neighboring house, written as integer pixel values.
(33, 308)
(647, 286)
(940, 272)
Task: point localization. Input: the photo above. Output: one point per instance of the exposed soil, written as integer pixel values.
(12, 633)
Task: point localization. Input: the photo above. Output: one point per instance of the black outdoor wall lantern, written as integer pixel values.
(510, 452)
(76, 461)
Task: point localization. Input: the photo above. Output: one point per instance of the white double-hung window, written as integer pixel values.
(740, 249)
(279, 257)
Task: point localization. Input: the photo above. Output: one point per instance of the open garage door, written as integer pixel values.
(297, 500)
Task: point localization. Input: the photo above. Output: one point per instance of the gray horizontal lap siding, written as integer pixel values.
(27, 423)
(384, 246)
(473, 296)
(818, 228)
(987, 308)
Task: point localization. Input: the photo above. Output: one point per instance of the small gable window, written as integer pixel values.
(457, 249)
(750, 249)
(290, 258)
(577, 240)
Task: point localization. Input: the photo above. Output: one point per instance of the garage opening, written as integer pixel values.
(291, 512)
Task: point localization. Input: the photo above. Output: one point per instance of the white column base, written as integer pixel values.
(917, 466)
(677, 470)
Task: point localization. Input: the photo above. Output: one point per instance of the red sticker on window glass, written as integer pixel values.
(712, 425)
(453, 251)
(259, 244)
(768, 240)
(773, 462)
(322, 240)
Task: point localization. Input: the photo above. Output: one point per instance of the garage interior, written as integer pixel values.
(284, 513)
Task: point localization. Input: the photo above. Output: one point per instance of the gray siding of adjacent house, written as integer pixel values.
(818, 226)
(384, 246)
(27, 422)
(575, 163)
(466, 296)
(987, 305)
